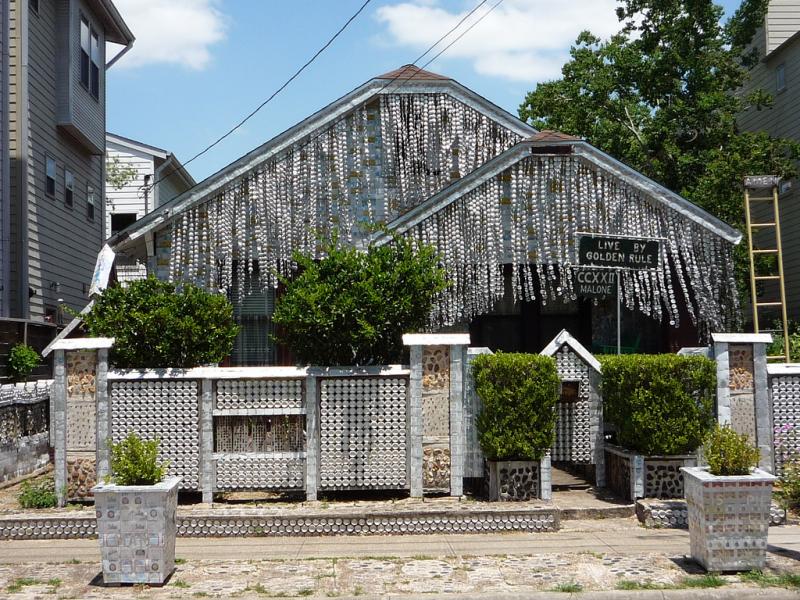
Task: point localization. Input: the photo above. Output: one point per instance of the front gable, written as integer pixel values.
(358, 164)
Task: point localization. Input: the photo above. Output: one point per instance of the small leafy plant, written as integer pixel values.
(519, 394)
(134, 461)
(790, 483)
(38, 495)
(728, 452)
(22, 360)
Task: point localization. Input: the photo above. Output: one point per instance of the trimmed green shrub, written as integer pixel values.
(519, 394)
(728, 452)
(157, 325)
(353, 307)
(38, 495)
(134, 461)
(22, 360)
(789, 492)
(661, 403)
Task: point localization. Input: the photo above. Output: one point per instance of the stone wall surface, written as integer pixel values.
(81, 423)
(24, 428)
(436, 417)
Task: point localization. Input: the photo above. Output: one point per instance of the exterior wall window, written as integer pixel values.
(34, 4)
(50, 176)
(780, 77)
(69, 187)
(90, 203)
(90, 58)
(85, 51)
(95, 68)
(120, 221)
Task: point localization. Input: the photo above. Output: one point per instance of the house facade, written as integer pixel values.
(417, 154)
(53, 203)
(152, 176)
(778, 73)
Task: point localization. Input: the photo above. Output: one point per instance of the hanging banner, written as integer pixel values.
(618, 252)
(595, 283)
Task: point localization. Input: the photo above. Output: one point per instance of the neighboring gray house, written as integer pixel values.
(53, 205)
(778, 72)
(159, 177)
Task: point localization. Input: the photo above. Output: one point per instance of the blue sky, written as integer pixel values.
(199, 66)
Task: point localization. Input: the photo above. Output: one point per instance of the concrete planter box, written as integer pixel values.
(136, 528)
(728, 518)
(519, 480)
(633, 476)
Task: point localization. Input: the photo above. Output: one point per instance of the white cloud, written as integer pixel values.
(520, 40)
(178, 32)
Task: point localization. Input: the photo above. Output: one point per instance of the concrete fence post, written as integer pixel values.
(103, 417)
(415, 422)
(58, 398)
(312, 439)
(206, 418)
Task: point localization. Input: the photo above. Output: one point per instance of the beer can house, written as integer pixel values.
(538, 231)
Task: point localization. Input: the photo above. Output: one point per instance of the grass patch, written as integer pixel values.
(568, 588)
(200, 594)
(358, 591)
(627, 584)
(786, 580)
(709, 580)
(180, 583)
(73, 561)
(180, 561)
(421, 557)
(21, 582)
(306, 592)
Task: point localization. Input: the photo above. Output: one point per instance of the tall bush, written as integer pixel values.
(352, 307)
(519, 394)
(22, 360)
(660, 404)
(157, 325)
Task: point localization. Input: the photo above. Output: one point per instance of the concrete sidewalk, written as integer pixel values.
(598, 557)
(605, 536)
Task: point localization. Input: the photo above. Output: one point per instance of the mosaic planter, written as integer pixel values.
(728, 518)
(518, 480)
(633, 476)
(136, 528)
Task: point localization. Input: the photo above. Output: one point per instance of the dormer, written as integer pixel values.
(84, 27)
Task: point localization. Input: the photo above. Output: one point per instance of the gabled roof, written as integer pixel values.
(414, 82)
(116, 30)
(649, 188)
(121, 140)
(564, 338)
(408, 72)
(549, 135)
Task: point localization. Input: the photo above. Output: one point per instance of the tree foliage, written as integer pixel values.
(663, 96)
(119, 175)
(352, 307)
(156, 325)
(519, 394)
(22, 360)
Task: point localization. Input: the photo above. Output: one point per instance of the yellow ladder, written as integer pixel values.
(764, 184)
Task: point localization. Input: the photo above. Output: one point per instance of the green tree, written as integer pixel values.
(156, 325)
(663, 95)
(352, 307)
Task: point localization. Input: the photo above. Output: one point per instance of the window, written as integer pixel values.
(69, 187)
(50, 176)
(780, 77)
(95, 68)
(120, 221)
(34, 4)
(85, 50)
(90, 58)
(90, 203)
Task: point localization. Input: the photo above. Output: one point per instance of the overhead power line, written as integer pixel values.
(386, 85)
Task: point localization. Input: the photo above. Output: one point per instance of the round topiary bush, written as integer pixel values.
(156, 325)
(660, 404)
(353, 307)
(519, 394)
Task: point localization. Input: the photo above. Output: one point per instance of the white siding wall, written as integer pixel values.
(782, 120)
(129, 198)
(783, 21)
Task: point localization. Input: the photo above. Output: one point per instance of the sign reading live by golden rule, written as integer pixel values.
(617, 252)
